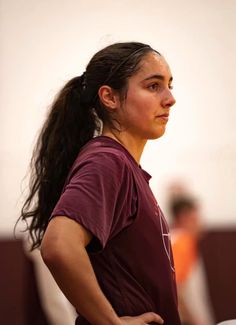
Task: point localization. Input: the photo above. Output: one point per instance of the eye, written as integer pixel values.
(171, 87)
(154, 86)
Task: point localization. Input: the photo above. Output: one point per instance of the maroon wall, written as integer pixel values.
(19, 300)
(219, 255)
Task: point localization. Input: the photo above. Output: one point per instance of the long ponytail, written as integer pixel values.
(70, 124)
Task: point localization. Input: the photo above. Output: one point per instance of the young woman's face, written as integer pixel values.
(145, 111)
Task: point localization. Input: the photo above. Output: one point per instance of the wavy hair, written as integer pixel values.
(72, 122)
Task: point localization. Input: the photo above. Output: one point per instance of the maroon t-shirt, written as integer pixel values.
(108, 193)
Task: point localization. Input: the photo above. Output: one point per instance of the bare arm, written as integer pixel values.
(63, 251)
(184, 309)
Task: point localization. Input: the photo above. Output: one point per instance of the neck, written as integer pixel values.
(132, 144)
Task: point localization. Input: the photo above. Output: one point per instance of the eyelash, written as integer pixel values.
(157, 86)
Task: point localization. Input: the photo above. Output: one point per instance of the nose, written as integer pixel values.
(168, 99)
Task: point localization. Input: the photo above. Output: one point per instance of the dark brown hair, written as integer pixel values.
(71, 123)
(181, 205)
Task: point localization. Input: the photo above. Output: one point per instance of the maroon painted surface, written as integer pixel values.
(19, 301)
(219, 254)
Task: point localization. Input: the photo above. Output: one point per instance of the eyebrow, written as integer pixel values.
(158, 76)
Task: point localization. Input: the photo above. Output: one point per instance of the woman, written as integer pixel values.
(107, 241)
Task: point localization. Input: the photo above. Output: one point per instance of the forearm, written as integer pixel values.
(63, 251)
(74, 274)
(184, 310)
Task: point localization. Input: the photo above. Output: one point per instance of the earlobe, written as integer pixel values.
(108, 97)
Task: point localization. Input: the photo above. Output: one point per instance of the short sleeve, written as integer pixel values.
(100, 195)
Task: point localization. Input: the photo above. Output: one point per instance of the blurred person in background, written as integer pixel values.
(56, 307)
(186, 231)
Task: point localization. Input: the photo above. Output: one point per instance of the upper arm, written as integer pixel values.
(63, 233)
(99, 195)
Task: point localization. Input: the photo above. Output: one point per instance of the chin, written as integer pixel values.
(154, 134)
(158, 134)
(154, 137)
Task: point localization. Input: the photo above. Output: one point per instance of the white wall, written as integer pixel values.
(44, 43)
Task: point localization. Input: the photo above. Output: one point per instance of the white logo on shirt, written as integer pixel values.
(165, 233)
(165, 237)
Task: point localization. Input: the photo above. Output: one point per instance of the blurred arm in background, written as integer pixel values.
(57, 308)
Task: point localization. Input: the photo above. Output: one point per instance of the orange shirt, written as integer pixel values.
(184, 247)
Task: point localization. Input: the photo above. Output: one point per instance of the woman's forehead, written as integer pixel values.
(153, 63)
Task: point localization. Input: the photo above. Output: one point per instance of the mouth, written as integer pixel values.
(164, 117)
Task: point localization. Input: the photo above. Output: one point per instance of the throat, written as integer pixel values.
(134, 147)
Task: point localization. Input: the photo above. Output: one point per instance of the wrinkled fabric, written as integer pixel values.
(108, 193)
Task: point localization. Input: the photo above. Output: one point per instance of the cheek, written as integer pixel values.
(141, 103)
(136, 111)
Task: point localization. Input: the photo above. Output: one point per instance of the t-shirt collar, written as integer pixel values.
(146, 175)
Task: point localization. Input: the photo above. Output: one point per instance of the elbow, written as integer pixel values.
(45, 254)
(49, 252)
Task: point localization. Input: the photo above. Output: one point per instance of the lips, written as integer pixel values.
(165, 117)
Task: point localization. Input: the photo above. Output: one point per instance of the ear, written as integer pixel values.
(109, 97)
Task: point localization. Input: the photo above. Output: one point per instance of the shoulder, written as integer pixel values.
(103, 152)
(106, 160)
